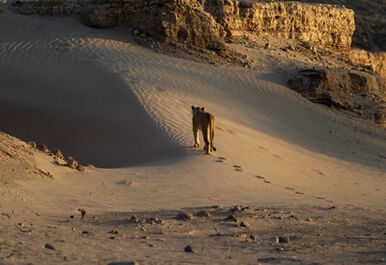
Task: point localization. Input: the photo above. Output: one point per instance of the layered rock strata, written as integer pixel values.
(207, 22)
(354, 91)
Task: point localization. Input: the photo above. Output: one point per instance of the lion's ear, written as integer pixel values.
(203, 109)
(192, 107)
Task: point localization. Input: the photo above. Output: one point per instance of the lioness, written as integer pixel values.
(205, 122)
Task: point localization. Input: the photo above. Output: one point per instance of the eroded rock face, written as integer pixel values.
(329, 26)
(173, 21)
(374, 60)
(204, 22)
(354, 91)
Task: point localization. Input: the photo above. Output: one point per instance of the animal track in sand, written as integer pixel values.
(220, 159)
(238, 168)
(319, 172)
(260, 177)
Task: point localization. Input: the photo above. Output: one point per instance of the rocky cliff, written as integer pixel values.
(329, 26)
(370, 21)
(208, 22)
(198, 22)
(376, 61)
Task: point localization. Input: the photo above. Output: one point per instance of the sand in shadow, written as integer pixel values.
(91, 115)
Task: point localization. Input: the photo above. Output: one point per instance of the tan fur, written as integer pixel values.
(205, 122)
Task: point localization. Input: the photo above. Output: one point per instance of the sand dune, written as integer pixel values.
(109, 102)
(98, 96)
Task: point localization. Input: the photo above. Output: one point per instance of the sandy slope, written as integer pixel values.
(101, 98)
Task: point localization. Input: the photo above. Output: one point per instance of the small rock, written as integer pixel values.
(154, 220)
(136, 32)
(245, 224)
(188, 248)
(72, 163)
(58, 154)
(252, 237)
(185, 216)
(309, 220)
(43, 148)
(267, 46)
(231, 218)
(80, 168)
(134, 219)
(237, 208)
(293, 216)
(49, 246)
(82, 212)
(115, 232)
(32, 144)
(203, 213)
(282, 239)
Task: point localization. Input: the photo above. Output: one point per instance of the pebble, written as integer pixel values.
(133, 219)
(49, 246)
(245, 224)
(231, 218)
(115, 232)
(203, 213)
(282, 239)
(185, 216)
(188, 248)
(136, 32)
(154, 220)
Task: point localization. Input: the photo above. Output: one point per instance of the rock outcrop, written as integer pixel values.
(354, 91)
(205, 23)
(376, 61)
(327, 25)
(370, 22)
(172, 21)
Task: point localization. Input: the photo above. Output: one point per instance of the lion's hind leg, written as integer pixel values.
(206, 136)
(196, 137)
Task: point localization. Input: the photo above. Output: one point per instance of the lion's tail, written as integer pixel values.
(212, 126)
